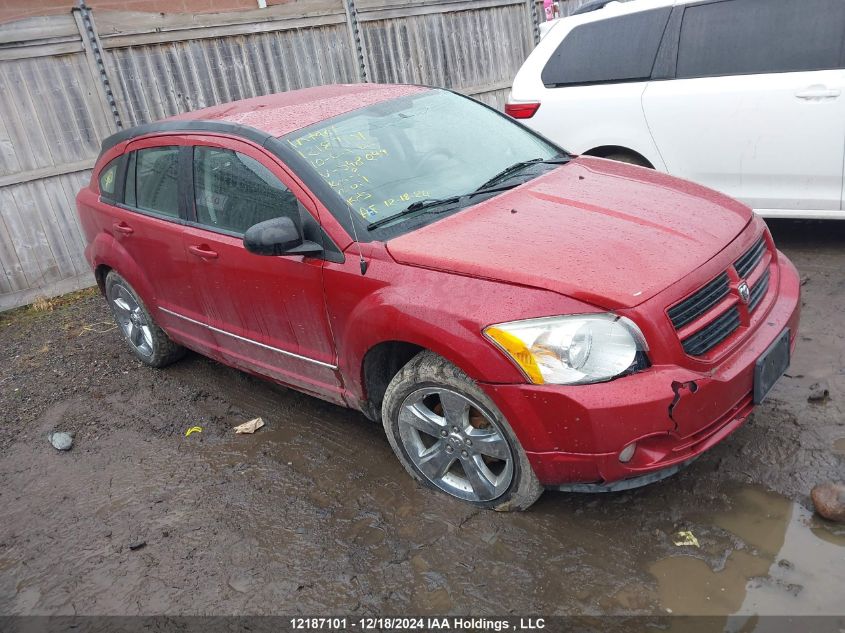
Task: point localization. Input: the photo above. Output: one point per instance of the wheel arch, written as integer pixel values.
(110, 255)
(383, 357)
(379, 366)
(100, 273)
(603, 151)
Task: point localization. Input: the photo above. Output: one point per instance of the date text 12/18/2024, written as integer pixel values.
(453, 623)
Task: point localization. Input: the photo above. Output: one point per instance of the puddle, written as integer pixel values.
(759, 552)
(786, 562)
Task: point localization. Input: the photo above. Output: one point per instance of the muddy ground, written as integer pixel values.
(313, 514)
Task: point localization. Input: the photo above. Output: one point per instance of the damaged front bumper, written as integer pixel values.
(575, 434)
(625, 484)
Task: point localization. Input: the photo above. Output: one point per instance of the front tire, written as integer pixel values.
(147, 340)
(451, 437)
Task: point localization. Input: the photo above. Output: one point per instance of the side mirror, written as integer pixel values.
(279, 236)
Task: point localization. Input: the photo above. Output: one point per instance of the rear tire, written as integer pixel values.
(147, 340)
(451, 437)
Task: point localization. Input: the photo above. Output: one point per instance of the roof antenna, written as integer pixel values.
(357, 241)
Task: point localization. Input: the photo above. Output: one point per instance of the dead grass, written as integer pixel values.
(43, 305)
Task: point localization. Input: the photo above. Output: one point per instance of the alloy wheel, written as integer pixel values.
(132, 320)
(456, 444)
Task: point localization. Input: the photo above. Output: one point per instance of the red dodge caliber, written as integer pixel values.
(516, 317)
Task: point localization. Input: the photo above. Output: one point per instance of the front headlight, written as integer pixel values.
(571, 350)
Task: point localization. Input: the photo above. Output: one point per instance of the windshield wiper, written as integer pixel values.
(419, 205)
(517, 167)
(428, 205)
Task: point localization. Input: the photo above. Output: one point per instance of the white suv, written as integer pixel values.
(744, 96)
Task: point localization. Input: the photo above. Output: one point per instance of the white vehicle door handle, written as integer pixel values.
(814, 93)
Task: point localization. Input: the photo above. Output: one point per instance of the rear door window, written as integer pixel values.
(234, 191)
(741, 37)
(612, 50)
(152, 180)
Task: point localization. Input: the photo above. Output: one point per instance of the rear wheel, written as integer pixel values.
(450, 436)
(146, 339)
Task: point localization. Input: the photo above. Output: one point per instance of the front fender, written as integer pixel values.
(438, 311)
(382, 318)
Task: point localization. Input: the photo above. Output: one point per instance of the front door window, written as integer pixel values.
(235, 191)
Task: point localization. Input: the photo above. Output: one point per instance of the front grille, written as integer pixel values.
(749, 260)
(758, 291)
(711, 335)
(719, 304)
(694, 306)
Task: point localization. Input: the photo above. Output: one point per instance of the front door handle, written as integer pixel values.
(123, 227)
(203, 251)
(814, 93)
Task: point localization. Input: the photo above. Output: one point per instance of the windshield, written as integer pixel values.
(421, 148)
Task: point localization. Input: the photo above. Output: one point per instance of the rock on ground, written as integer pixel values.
(829, 499)
(61, 441)
(819, 392)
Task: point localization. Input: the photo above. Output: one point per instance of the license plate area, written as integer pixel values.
(771, 366)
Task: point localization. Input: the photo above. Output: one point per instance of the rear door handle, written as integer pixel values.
(123, 227)
(814, 93)
(203, 251)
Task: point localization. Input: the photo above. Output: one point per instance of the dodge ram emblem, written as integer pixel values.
(744, 293)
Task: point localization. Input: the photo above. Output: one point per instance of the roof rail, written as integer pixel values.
(595, 5)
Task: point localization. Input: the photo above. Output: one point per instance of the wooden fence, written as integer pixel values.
(68, 81)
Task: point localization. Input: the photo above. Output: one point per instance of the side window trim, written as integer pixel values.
(120, 186)
(151, 214)
(666, 60)
(187, 208)
(131, 161)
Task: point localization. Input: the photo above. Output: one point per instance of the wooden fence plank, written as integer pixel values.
(44, 28)
(40, 50)
(53, 225)
(69, 185)
(33, 214)
(25, 240)
(158, 37)
(111, 24)
(11, 273)
(46, 172)
(64, 214)
(9, 162)
(18, 133)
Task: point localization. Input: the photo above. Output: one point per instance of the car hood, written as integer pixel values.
(603, 232)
